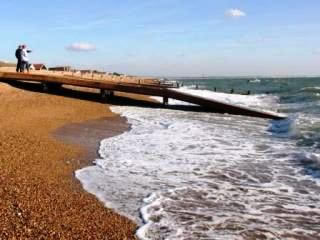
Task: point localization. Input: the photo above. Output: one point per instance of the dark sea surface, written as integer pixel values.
(197, 175)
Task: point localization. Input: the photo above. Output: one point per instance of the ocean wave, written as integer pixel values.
(284, 128)
(264, 102)
(312, 159)
(213, 176)
(311, 89)
(310, 163)
(255, 80)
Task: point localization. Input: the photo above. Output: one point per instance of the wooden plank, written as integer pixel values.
(221, 106)
(144, 89)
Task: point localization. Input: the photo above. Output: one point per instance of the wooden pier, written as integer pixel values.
(108, 84)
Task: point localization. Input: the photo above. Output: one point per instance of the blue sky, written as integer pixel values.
(167, 37)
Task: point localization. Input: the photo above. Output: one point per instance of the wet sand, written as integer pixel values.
(40, 198)
(88, 134)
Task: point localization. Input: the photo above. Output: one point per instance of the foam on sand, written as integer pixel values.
(204, 174)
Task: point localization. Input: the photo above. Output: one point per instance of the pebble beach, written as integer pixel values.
(40, 197)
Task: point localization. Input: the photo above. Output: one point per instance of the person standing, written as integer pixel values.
(24, 58)
(18, 56)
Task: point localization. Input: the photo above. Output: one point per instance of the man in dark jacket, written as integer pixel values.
(18, 56)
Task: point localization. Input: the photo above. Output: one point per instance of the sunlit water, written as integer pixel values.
(195, 175)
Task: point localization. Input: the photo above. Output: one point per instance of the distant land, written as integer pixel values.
(6, 64)
(240, 77)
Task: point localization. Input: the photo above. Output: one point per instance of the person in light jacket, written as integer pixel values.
(24, 58)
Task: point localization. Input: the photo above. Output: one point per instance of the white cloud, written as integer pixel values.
(81, 47)
(235, 13)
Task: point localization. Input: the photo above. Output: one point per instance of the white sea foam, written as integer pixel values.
(256, 80)
(284, 128)
(261, 102)
(210, 176)
(311, 89)
(309, 159)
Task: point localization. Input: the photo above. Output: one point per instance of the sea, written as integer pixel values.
(186, 174)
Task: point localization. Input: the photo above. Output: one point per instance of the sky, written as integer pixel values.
(167, 37)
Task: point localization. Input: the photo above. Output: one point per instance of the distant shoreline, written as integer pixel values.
(240, 77)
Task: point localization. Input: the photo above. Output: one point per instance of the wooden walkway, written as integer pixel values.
(145, 86)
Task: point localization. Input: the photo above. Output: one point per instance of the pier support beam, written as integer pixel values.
(46, 87)
(165, 101)
(105, 94)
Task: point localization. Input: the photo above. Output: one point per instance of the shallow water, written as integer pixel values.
(192, 175)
